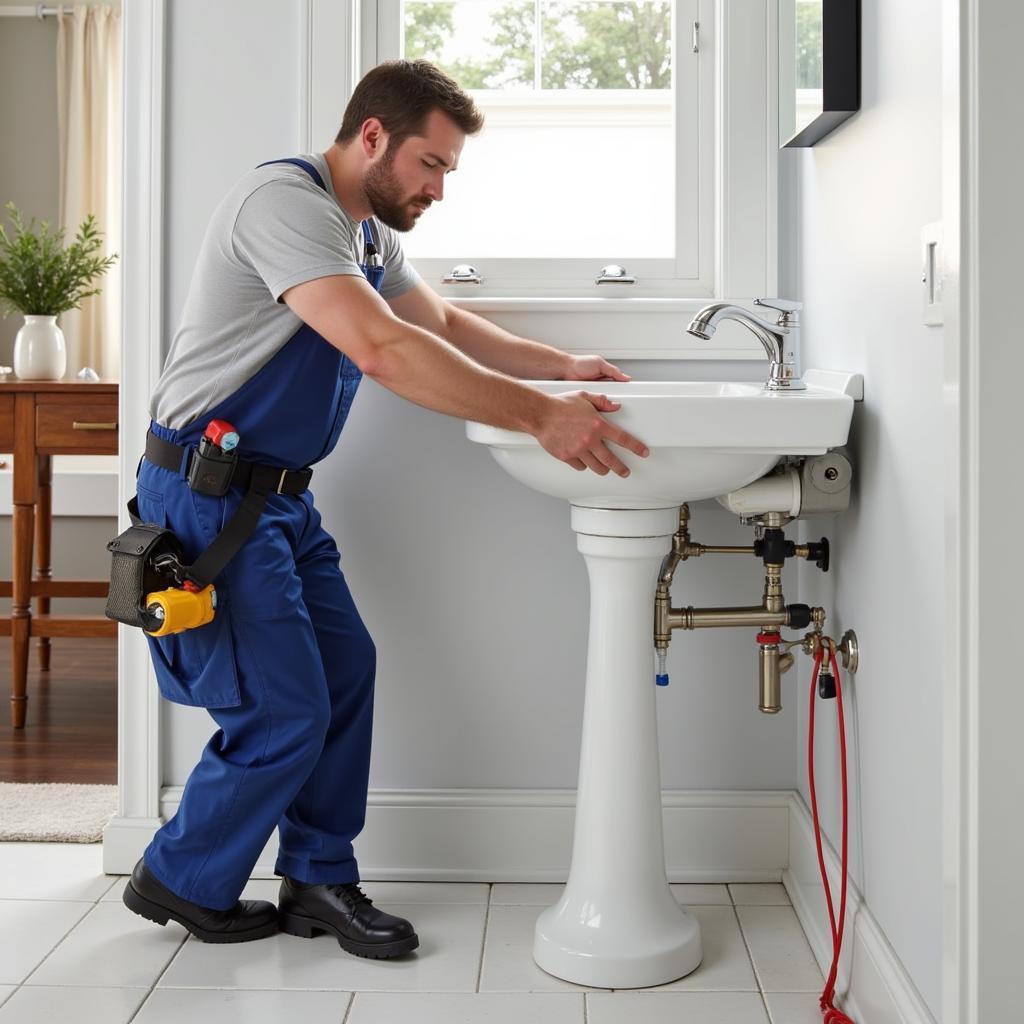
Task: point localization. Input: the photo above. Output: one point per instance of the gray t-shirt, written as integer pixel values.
(276, 228)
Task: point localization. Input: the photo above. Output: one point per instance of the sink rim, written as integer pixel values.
(804, 422)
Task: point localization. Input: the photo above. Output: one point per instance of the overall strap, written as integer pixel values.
(372, 252)
(304, 164)
(371, 245)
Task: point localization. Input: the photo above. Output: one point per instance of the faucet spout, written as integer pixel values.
(773, 336)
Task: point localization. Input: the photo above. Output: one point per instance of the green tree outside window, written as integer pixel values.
(585, 44)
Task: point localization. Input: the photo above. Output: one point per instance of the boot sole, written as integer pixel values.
(160, 914)
(307, 927)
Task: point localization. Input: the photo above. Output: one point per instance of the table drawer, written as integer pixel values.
(87, 427)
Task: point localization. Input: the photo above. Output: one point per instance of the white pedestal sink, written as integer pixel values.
(617, 924)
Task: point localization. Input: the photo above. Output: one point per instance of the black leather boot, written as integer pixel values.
(348, 914)
(247, 919)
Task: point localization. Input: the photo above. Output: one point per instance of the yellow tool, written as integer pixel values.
(178, 609)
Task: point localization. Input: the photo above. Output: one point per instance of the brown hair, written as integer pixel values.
(400, 94)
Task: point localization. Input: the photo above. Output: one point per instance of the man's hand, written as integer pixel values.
(576, 434)
(592, 368)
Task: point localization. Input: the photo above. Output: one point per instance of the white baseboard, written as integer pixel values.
(124, 839)
(485, 835)
(872, 985)
(494, 835)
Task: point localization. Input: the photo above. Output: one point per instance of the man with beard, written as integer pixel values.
(300, 288)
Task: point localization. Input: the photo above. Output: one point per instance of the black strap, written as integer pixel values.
(175, 457)
(237, 529)
(260, 480)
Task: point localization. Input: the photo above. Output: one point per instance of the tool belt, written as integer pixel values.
(148, 558)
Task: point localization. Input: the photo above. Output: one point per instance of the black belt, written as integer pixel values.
(273, 478)
(260, 481)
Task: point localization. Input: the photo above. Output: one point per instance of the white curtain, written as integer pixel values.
(89, 120)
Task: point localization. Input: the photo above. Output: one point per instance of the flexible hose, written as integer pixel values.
(832, 1015)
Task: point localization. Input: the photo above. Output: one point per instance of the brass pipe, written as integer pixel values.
(773, 599)
(662, 617)
(724, 549)
(773, 658)
(700, 618)
(769, 680)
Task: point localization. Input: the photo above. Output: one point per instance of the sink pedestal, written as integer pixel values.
(617, 924)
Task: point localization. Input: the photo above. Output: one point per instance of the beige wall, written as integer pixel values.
(29, 174)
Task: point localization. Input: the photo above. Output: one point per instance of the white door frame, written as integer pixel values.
(983, 219)
(139, 762)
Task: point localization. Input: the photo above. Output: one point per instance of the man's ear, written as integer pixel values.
(374, 138)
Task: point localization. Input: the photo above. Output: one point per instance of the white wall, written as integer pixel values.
(854, 206)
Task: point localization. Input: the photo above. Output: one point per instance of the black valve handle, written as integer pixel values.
(818, 553)
(826, 684)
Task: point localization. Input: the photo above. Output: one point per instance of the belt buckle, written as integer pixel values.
(280, 483)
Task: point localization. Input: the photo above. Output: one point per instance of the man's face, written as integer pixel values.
(402, 183)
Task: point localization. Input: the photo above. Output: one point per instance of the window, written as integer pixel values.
(592, 149)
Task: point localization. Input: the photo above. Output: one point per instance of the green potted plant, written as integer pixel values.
(41, 279)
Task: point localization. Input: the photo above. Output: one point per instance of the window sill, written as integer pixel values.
(617, 328)
(567, 304)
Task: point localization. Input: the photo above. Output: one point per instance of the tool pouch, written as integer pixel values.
(134, 571)
(210, 470)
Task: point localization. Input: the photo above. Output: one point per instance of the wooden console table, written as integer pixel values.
(40, 419)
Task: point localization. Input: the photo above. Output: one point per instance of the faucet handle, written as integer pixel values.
(789, 308)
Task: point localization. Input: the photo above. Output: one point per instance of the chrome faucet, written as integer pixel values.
(777, 338)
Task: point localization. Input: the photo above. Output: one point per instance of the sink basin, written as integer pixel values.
(706, 438)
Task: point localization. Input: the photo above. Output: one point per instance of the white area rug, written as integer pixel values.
(55, 812)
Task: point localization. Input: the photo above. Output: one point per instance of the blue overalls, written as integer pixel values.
(286, 667)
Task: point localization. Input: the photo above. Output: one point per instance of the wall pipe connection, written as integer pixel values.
(772, 613)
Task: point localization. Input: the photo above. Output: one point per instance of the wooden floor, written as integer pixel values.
(70, 732)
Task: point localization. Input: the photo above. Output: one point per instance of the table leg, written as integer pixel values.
(21, 609)
(44, 523)
(24, 492)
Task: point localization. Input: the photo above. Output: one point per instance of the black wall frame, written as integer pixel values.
(840, 45)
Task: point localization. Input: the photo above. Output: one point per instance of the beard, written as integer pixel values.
(384, 192)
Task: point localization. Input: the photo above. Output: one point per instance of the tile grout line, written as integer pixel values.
(95, 902)
(348, 1009)
(483, 940)
(53, 948)
(152, 988)
(750, 956)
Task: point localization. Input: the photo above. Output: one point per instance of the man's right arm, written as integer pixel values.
(427, 370)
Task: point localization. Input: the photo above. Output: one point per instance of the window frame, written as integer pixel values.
(664, 277)
(739, 254)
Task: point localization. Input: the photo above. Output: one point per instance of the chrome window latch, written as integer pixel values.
(462, 274)
(614, 274)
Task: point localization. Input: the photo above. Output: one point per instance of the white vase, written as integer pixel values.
(39, 351)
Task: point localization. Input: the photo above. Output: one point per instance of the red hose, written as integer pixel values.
(832, 1015)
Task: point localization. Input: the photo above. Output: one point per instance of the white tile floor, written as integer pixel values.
(70, 949)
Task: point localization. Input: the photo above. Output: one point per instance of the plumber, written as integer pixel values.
(300, 288)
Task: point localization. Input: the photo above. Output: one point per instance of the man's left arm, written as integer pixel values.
(493, 346)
